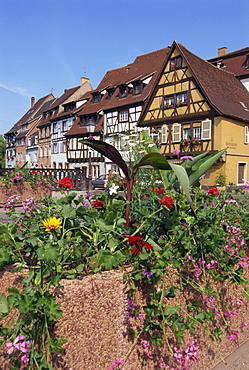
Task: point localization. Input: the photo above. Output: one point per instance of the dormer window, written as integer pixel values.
(69, 106)
(89, 119)
(122, 91)
(110, 92)
(221, 64)
(96, 97)
(175, 62)
(137, 88)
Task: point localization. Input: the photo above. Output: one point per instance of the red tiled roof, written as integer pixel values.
(235, 62)
(144, 66)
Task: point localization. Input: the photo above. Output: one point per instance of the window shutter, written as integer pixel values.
(164, 134)
(61, 148)
(206, 129)
(147, 130)
(246, 135)
(52, 149)
(176, 133)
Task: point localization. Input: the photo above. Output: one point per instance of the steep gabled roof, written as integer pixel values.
(221, 88)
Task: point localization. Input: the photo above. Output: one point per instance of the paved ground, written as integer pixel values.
(238, 360)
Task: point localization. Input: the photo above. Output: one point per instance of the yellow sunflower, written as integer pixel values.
(52, 223)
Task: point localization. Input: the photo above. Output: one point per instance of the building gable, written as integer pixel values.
(176, 94)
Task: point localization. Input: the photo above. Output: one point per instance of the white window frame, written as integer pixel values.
(176, 133)
(164, 134)
(246, 136)
(206, 129)
(124, 116)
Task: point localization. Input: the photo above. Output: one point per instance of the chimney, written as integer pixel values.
(32, 101)
(83, 80)
(222, 51)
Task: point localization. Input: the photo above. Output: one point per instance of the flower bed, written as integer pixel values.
(166, 266)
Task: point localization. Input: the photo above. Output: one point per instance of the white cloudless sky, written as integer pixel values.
(47, 45)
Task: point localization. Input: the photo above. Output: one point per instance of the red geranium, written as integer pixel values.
(139, 244)
(34, 172)
(66, 183)
(213, 191)
(167, 201)
(159, 191)
(98, 204)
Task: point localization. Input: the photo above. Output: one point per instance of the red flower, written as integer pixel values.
(139, 244)
(144, 196)
(135, 251)
(66, 183)
(133, 239)
(167, 201)
(213, 191)
(159, 191)
(34, 172)
(98, 204)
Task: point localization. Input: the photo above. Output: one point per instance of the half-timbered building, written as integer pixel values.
(16, 137)
(57, 120)
(113, 108)
(195, 107)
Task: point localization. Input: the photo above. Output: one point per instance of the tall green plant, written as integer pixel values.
(158, 161)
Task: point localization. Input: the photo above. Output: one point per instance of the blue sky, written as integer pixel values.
(47, 45)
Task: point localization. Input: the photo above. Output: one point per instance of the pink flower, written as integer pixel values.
(176, 151)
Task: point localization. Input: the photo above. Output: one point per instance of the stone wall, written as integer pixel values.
(95, 325)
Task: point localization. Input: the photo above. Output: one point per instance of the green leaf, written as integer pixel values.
(183, 179)
(110, 259)
(4, 305)
(108, 151)
(155, 160)
(217, 333)
(170, 310)
(68, 211)
(203, 165)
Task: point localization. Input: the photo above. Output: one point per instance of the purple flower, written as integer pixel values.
(133, 310)
(187, 158)
(146, 273)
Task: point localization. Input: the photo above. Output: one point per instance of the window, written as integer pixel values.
(175, 62)
(186, 133)
(206, 130)
(54, 128)
(96, 97)
(197, 132)
(246, 135)
(110, 92)
(164, 134)
(122, 91)
(181, 99)
(137, 88)
(175, 100)
(168, 102)
(241, 172)
(64, 125)
(176, 133)
(123, 116)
